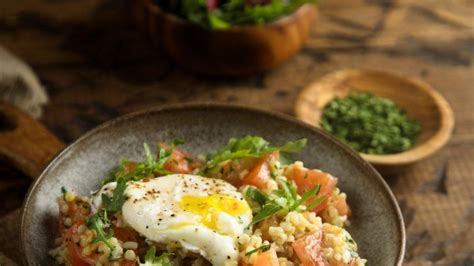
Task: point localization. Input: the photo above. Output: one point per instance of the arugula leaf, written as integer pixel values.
(114, 204)
(249, 146)
(262, 248)
(152, 260)
(98, 222)
(147, 168)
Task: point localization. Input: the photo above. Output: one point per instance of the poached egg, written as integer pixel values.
(204, 215)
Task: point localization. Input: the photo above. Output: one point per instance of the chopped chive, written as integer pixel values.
(262, 248)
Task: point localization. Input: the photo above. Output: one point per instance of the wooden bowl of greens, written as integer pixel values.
(222, 37)
(391, 120)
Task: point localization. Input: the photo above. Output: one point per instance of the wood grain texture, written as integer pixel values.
(414, 96)
(96, 66)
(24, 142)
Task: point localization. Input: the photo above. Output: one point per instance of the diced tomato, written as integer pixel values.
(342, 207)
(177, 163)
(180, 162)
(309, 251)
(260, 172)
(77, 211)
(231, 171)
(75, 250)
(259, 175)
(256, 171)
(306, 179)
(124, 234)
(267, 258)
(129, 167)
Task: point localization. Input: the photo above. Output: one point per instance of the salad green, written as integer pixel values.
(222, 14)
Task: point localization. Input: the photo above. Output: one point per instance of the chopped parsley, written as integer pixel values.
(370, 124)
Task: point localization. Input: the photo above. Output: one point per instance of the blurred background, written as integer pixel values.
(95, 64)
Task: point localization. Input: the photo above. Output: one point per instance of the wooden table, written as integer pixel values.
(96, 66)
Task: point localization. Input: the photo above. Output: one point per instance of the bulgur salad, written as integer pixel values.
(246, 204)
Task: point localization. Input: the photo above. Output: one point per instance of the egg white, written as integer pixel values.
(154, 209)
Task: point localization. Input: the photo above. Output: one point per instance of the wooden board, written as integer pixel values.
(96, 66)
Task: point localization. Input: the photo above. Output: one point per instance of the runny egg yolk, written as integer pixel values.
(209, 207)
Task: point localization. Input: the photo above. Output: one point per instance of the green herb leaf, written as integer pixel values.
(147, 168)
(148, 155)
(98, 222)
(305, 197)
(114, 204)
(315, 203)
(256, 195)
(262, 248)
(268, 210)
(249, 146)
(231, 12)
(370, 124)
(288, 192)
(152, 260)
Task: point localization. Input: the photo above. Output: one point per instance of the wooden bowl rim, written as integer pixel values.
(419, 152)
(282, 21)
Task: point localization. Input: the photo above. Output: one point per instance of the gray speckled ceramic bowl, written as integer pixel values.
(377, 224)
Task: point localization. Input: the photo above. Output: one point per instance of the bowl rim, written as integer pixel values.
(418, 152)
(367, 167)
(279, 22)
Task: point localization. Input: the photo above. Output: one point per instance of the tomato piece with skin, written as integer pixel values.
(232, 170)
(180, 162)
(261, 172)
(309, 251)
(78, 212)
(74, 250)
(267, 258)
(258, 176)
(306, 179)
(177, 163)
(124, 234)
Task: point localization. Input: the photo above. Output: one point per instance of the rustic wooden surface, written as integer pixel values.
(96, 66)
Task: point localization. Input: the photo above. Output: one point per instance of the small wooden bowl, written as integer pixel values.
(234, 51)
(416, 97)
